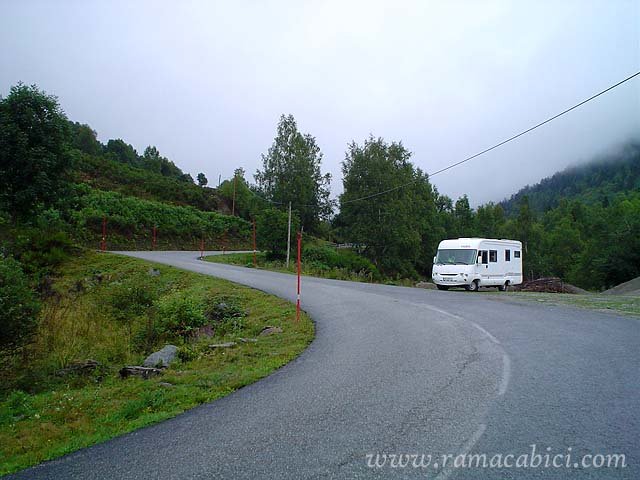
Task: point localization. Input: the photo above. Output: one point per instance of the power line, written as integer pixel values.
(366, 197)
(524, 132)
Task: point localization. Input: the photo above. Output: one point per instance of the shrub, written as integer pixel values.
(133, 297)
(16, 406)
(41, 251)
(225, 313)
(186, 354)
(179, 315)
(327, 258)
(18, 305)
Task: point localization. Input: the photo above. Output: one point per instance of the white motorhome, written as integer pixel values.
(477, 262)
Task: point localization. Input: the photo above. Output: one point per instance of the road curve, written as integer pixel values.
(398, 370)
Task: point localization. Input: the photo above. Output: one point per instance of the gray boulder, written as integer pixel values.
(269, 330)
(162, 358)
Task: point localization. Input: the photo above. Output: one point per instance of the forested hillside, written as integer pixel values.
(59, 184)
(117, 166)
(601, 180)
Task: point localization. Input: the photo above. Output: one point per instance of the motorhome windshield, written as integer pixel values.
(456, 257)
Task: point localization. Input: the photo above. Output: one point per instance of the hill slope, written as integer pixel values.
(117, 166)
(598, 181)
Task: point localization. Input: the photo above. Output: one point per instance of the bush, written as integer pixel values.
(225, 313)
(19, 307)
(186, 354)
(179, 315)
(41, 251)
(16, 406)
(327, 258)
(133, 297)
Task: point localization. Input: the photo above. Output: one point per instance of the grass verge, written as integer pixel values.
(625, 305)
(107, 308)
(309, 268)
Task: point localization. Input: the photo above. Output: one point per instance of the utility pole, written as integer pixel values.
(104, 234)
(289, 236)
(255, 261)
(233, 208)
(298, 295)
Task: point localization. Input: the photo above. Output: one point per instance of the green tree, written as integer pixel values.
(291, 173)
(490, 221)
(18, 305)
(85, 139)
(463, 217)
(152, 160)
(34, 149)
(120, 150)
(202, 180)
(398, 228)
(247, 204)
(271, 232)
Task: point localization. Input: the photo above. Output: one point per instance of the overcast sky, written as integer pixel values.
(207, 81)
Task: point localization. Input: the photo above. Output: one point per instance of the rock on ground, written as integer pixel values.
(270, 331)
(162, 357)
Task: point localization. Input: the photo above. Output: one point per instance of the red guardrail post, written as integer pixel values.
(298, 297)
(202, 248)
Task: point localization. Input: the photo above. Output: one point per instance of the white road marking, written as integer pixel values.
(442, 312)
(491, 337)
(506, 374)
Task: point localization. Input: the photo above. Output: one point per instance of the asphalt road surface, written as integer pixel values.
(403, 371)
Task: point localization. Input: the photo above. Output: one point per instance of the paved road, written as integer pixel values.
(400, 371)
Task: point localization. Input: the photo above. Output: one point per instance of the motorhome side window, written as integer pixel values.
(507, 255)
(516, 254)
(485, 257)
(493, 256)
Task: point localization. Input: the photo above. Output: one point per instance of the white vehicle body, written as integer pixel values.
(477, 262)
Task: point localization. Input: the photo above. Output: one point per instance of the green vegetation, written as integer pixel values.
(105, 173)
(291, 173)
(271, 232)
(317, 260)
(398, 229)
(599, 181)
(34, 153)
(112, 310)
(19, 306)
(131, 220)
